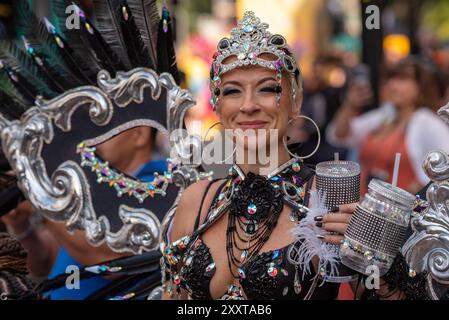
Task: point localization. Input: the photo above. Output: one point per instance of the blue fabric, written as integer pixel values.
(146, 172)
(63, 259)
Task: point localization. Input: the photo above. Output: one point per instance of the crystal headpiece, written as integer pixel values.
(249, 40)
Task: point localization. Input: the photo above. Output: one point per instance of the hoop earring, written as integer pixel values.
(319, 138)
(205, 136)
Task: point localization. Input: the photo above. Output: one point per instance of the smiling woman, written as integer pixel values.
(237, 244)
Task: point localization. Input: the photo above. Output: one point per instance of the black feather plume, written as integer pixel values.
(81, 51)
(166, 55)
(12, 103)
(67, 54)
(10, 108)
(108, 16)
(137, 51)
(105, 55)
(146, 17)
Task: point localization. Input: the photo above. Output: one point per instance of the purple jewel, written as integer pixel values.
(279, 64)
(121, 183)
(88, 156)
(81, 13)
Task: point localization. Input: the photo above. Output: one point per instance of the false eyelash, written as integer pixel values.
(230, 91)
(271, 89)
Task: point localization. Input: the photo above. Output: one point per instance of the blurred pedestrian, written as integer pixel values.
(405, 123)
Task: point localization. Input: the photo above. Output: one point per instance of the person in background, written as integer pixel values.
(405, 123)
(322, 98)
(52, 248)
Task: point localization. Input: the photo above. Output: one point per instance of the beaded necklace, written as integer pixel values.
(256, 203)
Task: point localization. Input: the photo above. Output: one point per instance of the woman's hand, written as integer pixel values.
(336, 222)
(358, 96)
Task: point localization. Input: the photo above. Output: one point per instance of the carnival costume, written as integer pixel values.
(254, 203)
(72, 89)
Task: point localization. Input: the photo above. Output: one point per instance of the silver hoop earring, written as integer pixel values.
(319, 138)
(205, 136)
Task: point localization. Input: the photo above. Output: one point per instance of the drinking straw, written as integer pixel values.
(336, 156)
(396, 169)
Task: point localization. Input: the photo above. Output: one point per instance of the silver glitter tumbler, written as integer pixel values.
(338, 182)
(377, 228)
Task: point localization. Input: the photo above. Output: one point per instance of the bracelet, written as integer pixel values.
(23, 235)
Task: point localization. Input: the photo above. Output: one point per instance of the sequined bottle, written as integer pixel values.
(377, 228)
(338, 182)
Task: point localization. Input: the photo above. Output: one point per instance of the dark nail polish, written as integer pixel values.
(319, 224)
(318, 218)
(335, 209)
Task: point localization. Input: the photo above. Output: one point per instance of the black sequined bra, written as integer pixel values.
(267, 275)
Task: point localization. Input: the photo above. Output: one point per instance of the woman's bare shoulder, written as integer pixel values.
(189, 205)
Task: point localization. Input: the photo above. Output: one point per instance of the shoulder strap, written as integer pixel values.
(197, 221)
(307, 192)
(208, 221)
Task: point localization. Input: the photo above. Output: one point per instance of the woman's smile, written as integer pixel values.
(252, 124)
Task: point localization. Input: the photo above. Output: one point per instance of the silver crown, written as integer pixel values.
(248, 41)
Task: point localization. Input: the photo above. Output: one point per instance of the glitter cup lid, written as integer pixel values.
(391, 192)
(337, 169)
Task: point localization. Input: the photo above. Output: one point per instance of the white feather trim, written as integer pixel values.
(306, 232)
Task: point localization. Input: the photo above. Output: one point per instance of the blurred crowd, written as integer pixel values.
(404, 120)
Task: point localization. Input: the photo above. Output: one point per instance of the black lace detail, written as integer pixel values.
(257, 190)
(197, 270)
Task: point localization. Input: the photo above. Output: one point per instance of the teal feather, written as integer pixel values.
(30, 81)
(37, 36)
